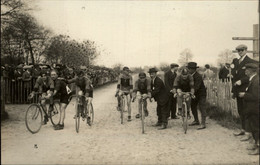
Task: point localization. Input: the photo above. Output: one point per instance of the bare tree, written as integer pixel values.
(185, 56)
(225, 56)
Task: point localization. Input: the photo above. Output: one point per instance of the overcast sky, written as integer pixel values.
(138, 33)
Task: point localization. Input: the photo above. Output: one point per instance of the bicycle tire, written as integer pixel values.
(33, 113)
(91, 114)
(122, 106)
(185, 117)
(77, 118)
(55, 117)
(142, 119)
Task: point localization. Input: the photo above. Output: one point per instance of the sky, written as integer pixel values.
(141, 33)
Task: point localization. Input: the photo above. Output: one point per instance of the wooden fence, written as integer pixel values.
(219, 95)
(17, 91)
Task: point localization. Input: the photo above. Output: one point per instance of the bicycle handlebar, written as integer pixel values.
(185, 93)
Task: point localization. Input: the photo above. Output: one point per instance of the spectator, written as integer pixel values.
(240, 84)
(169, 78)
(225, 73)
(251, 98)
(26, 81)
(208, 74)
(36, 71)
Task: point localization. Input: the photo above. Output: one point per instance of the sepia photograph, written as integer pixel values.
(125, 82)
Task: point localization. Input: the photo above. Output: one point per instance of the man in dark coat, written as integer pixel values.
(200, 94)
(169, 78)
(251, 100)
(161, 96)
(225, 72)
(240, 84)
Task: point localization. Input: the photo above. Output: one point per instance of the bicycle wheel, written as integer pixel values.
(55, 114)
(77, 118)
(90, 114)
(122, 106)
(142, 119)
(185, 117)
(33, 118)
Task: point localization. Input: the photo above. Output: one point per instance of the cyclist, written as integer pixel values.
(45, 85)
(125, 87)
(84, 86)
(183, 83)
(142, 87)
(60, 92)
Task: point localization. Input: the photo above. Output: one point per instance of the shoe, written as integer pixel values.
(59, 127)
(175, 117)
(201, 127)
(254, 152)
(246, 139)
(89, 121)
(179, 112)
(164, 126)
(146, 113)
(129, 118)
(239, 134)
(45, 120)
(157, 124)
(137, 116)
(252, 147)
(194, 123)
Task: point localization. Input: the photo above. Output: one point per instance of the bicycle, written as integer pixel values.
(82, 111)
(186, 98)
(142, 110)
(35, 111)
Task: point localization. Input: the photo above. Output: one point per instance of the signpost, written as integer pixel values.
(255, 40)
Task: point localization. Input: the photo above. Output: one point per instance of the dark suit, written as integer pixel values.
(223, 74)
(239, 74)
(251, 100)
(161, 96)
(200, 94)
(169, 78)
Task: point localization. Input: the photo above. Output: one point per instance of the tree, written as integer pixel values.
(185, 56)
(164, 67)
(225, 56)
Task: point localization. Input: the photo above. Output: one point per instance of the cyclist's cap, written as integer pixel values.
(173, 65)
(125, 68)
(142, 75)
(185, 71)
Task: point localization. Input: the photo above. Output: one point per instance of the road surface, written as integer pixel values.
(109, 142)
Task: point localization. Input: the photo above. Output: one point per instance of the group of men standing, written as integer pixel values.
(166, 103)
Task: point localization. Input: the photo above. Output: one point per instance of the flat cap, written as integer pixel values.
(251, 66)
(152, 70)
(173, 65)
(126, 68)
(242, 46)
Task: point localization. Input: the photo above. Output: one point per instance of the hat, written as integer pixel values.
(142, 75)
(173, 65)
(152, 70)
(192, 65)
(125, 68)
(242, 46)
(207, 66)
(251, 66)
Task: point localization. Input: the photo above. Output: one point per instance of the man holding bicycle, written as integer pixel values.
(125, 87)
(183, 83)
(45, 85)
(142, 88)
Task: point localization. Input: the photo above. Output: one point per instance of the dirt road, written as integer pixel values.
(109, 142)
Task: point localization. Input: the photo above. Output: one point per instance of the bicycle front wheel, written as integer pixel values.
(122, 107)
(77, 118)
(55, 115)
(33, 118)
(185, 117)
(142, 119)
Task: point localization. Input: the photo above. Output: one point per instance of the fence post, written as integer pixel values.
(3, 112)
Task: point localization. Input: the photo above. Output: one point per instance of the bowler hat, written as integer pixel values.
(173, 65)
(152, 70)
(192, 65)
(251, 66)
(242, 46)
